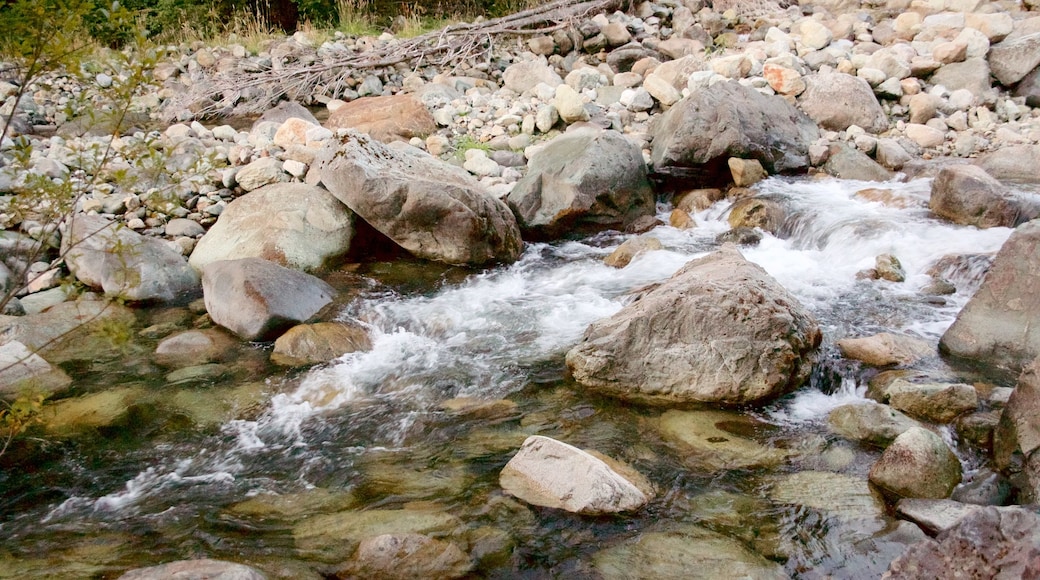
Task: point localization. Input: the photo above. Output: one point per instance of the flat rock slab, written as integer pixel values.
(707, 446)
(550, 473)
(934, 516)
(834, 494)
(885, 349)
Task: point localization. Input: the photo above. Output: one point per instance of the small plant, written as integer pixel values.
(18, 415)
(465, 143)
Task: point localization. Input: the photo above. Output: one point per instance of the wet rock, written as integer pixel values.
(334, 537)
(631, 248)
(263, 171)
(123, 263)
(888, 268)
(1013, 163)
(977, 428)
(933, 402)
(258, 300)
(194, 347)
(988, 543)
(999, 325)
(1017, 436)
(708, 441)
(984, 488)
(406, 556)
(565, 192)
(550, 473)
(307, 344)
(757, 212)
(934, 516)
(469, 408)
(79, 414)
(209, 569)
(966, 194)
(885, 349)
(71, 330)
(917, 464)
(392, 118)
(746, 172)
(721, 330)
(837, 101)
(834, 494)
(432, 209)
(847, 162)
(697, 135)
(293, 507)
(742, 236)
(22, 370)
(869, 422)
(690, 552)
(292, 224)
(695, 200)
(681, 220)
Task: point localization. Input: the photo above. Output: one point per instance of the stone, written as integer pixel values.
(569, 105)
(847, 162)
(125, 264)
(204, 568)
(888, 268)
(632, 247)
(292, 224)
(869, 422)
(987, 543)
(391, 118)
(890, 154)
(746, 172)
(917, 464)
(1016, 163)
(178, 227)
(837, 101)
(69, 331)
(720, 330)
(564, 190)
(192, 347)
(307, 344)
(690, 552)
(834, 494)
(636, 100)
(432, 209)
(680, 219)
(22, 370)
(933, 402)
(258, 300)
(335, 537)
(521, 77)
(966, 194)
(478, 163)
(885, 349)
(549, 473)
(923, 107)
(709, 441)
(741, 236)
(1018, 54)
(699, 134)
(405, 556)
(784, 80)
(542, 45)
(757, 212)
(662, 90)
(1017, 435)
(934, 516)
(972, 75)
(924, 135)
(263, 171)
(292, 132)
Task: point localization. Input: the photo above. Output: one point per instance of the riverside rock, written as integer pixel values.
(1017, 436)
(292, 224)
(917, 464)
(317, 343)
(258, 300)
(432, 209)
(933, 402)
(699, 134)
(966, 194)
(123, 263)
(1018, 54)
(550, 473)
(1013, 163)
(837, 101)
(391, 118)
(885, 349)
(406, 556)
(204, 568)
(720, 330)
(585, 180)
(193, 347)
(22, 369)
(869, 422)
(1000, 325)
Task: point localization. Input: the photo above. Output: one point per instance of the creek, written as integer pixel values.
(193, 468)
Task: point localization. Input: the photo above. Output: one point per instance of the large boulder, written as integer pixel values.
(391, 118)
(885, 349)
(869, 422)
(917, 464)
(258, 300)
(432, 209)
(721, 330)
(296, 225)
(972, 75)
(203, 568)
(1018, 54)
(317, 343)
(550, 473)
(966, 194)
(194, 347)
(523, 76)
(584, 180)
(1000, 325)
(837, 100)
(932, 402)
(1013, 163)
(70, 330)
(697, 136)
(1017, 436)
(990, 542)
(123, 263)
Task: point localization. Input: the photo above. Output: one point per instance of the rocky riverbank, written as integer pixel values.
(550, 137)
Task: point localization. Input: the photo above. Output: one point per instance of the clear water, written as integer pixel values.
(370, 425)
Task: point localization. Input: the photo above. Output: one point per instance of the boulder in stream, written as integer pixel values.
(432, 209)
(203, 568)
(721, 330)
(869, 422)
(917, 464)
(258, 300)
(966, 194)
(583, 181)
(320, 342)
(1016, 440)
(885, 349)
(406, 556)
(22, 370)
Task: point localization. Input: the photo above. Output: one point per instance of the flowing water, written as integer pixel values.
(232, 466)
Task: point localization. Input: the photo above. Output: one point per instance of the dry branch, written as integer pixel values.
(223, 93)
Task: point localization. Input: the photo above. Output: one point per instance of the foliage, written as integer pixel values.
(18, 415)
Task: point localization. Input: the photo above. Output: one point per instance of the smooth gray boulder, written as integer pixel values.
(1015, 163)
(581, 182)
(123, 263)
(721, 330)
(1000, 325)
(846, 162)
(203, 568)
(550, 473)
(1018, 54)
(292, 224)
(696, 137)
(966, 194)
(837, 101)
(972, 74)
(869, 422)
(432, 209)
(1017, 436)
(258, 300)
(917, 464)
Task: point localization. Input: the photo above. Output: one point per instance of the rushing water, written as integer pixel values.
(369, 430)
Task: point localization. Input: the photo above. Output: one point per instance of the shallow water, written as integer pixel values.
(369, 432)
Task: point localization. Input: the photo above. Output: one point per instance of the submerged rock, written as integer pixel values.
(708, 441)
(833, 494)
(721, 330)
(334, 537)
(406, 556)
(80, 330)
(193, 347)
(550, 473)
(934, 516)
(432, 209)
(22, 370)
(306, 344)
(205, 568)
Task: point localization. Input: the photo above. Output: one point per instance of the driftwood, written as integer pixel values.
(242, 92)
